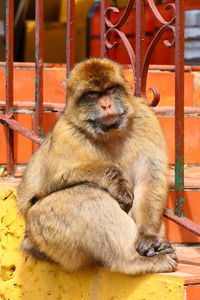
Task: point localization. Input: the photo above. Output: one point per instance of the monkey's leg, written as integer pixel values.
(83, 225)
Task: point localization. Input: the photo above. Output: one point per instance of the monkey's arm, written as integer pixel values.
(150, 193)
(104, 175)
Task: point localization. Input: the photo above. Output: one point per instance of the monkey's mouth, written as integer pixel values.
(107, 123)
(108, 120)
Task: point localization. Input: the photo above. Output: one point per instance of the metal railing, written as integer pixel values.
(138, 60)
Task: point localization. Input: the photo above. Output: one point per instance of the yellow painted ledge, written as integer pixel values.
(22, 277)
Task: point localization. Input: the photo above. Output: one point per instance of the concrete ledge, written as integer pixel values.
(22, 277)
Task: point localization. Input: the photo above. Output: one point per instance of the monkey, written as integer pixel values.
(95, 191)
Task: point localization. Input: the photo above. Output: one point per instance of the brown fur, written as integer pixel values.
(76, 182)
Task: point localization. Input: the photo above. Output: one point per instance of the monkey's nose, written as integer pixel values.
(106, 106)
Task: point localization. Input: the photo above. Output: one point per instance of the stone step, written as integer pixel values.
(23, 277)
(55, 78)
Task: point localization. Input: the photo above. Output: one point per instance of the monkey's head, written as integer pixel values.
(98, 97)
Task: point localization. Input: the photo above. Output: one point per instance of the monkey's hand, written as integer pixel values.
(104, 175)
(150, 245)
(120, 187)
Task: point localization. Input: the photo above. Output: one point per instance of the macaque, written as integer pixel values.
(95, 191)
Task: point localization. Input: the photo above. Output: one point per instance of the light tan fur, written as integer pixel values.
(80, 182)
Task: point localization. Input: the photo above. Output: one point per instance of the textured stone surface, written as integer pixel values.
(24, 278)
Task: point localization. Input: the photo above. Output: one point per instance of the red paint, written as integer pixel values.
(9, 82)
(70, 36)
(179, 104)
(39, 59)
(185, 223)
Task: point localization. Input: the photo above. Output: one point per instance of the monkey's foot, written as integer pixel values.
(28, 248)
(150, 245)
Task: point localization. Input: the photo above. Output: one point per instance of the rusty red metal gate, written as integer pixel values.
(138, 60)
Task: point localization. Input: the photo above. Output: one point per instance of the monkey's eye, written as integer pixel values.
(111, 89)
(92, 94)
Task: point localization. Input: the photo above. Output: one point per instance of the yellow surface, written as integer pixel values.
(82, 8)
(51, 10)
(54, 34)
(23, 278)
(54, 42)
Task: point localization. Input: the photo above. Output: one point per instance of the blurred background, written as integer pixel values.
(88, 31)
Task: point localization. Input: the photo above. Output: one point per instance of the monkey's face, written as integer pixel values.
(99, 96)
(103, 110)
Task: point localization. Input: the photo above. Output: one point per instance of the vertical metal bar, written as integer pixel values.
(102, 30)
(103, 50)
(70, 35)
(39, 59)
(139, 47)
(179, 107)
(9, 81)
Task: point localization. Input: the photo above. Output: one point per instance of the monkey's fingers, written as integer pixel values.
(152, 245)
(125, 203)
(126, 196)
(152, 251)
(120, 187)
(144, 245)
(125, 206)
(164, 247)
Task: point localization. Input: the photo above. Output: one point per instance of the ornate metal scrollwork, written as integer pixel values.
(116, 28)
(127, 45)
